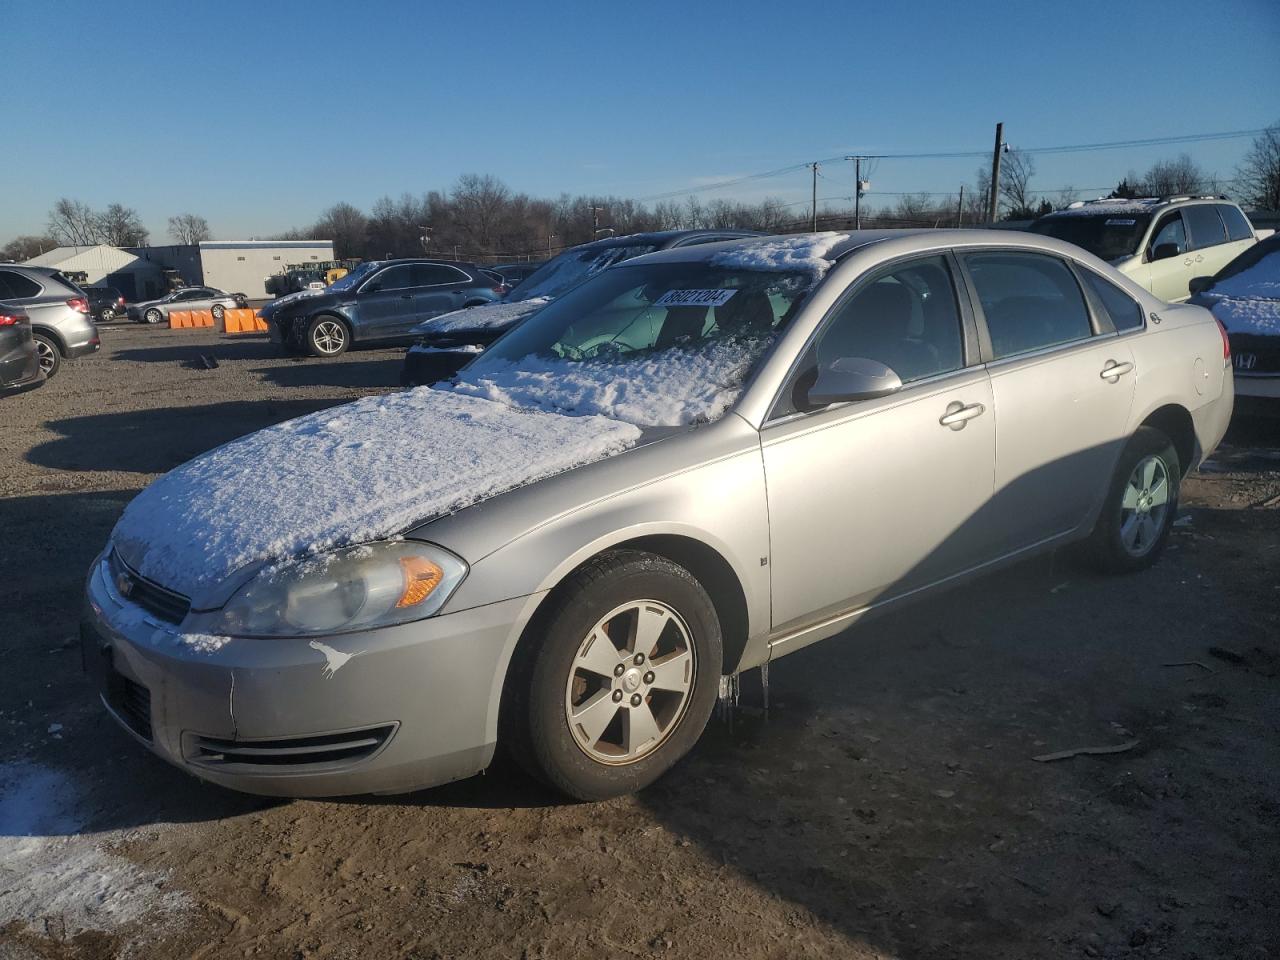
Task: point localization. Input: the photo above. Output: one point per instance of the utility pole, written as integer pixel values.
(595, 219)
(995, 174)
(859, 188)
(814, 166)
(960, 208)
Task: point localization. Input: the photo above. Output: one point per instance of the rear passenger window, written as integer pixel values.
(431, 275)
(1125, 312)
(14, 286)
(1030, 301)
(1238, 227)
(1205, 225)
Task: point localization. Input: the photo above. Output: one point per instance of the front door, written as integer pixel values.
(385, 302)
(1063, 385)
(869, 500)
(1169, 274)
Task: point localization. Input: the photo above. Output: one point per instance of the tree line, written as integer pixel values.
(481, 218)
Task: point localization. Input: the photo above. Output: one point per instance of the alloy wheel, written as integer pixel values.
(48, 359)
(154, 316)
(1144, 506)
(329, 337)
(630, 682)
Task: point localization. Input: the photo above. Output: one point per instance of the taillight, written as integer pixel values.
(1226, 344)
(120, 301)
(78, 303)
(500, 289)
(11, 319)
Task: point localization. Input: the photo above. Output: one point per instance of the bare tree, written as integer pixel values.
(1168, 178)
(1016, 170)
(479, 201)
(72, 222)
(25, 247)
(1259, 172)
(189, 228)
(346, 226)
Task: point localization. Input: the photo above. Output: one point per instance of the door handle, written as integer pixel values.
(1199, 258)
(958, 414)
(1187, 262)
(1113, 371)
(406, 296)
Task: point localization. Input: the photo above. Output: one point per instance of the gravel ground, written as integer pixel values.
(888, 806)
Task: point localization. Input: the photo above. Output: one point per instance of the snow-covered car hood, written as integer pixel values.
(1257, 316)
(486, 317)
(1249, 301)
(350, 474)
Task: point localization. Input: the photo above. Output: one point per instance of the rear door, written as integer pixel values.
(1062, 381)
(1210, 250)
(438, 288)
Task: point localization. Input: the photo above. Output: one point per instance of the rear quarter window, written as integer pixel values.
(15, 286)
(1125, 312)
(1238, 227)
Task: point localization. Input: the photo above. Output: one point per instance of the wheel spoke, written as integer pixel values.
(601, 656)
(593, 717)
(1129, 530)
(1150, 529)
(641, 728)
(1160, 492)
(1131, 494)
(650, 622)
(673, 673)
(1149, 473)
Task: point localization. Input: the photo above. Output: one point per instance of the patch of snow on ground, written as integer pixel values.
(487, 316)
(672, 387)
(51, 867)
(347, 475)
(806, 251)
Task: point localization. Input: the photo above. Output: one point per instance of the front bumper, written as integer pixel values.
(380, 711)
(424, 366)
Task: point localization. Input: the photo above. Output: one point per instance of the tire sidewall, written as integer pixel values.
(556, 754)
(1109, 551)
(309, 336)
(53, 351)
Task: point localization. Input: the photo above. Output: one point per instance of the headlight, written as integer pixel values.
(374, 585)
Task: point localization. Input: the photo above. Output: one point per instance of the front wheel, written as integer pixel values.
(326, 337)
(1141, 505)
(617, 681)
(218, 311)
(153, 316)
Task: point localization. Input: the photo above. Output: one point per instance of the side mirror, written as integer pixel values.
(1164, 251)
(852, 378)
(373, 287)
(1199, 285)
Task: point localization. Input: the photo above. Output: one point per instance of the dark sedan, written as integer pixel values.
(378, 302)
(19, 362)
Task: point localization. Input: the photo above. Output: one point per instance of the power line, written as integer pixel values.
(966, 154)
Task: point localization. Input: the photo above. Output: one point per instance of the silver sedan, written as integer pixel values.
(218, 302)
(694, 463)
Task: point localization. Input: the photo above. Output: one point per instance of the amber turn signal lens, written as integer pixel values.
(421, 576)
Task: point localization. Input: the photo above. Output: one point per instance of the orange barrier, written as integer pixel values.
(179, 319)
(202, 318)
(243, 321)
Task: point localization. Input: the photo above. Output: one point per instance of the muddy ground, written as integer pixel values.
(888, 806)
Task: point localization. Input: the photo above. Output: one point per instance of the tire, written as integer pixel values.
(549, 681)
(49, 354)
(153, 316)
(1141, 505)
(326, 336)
(218, 311)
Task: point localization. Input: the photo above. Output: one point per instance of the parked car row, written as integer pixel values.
(58, 311)
(216, 301)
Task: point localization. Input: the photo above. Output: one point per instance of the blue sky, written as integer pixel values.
(260, 115)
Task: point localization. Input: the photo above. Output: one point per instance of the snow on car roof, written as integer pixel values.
(1108, 208)
(347, 475)
(485, 316)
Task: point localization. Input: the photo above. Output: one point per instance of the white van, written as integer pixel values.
(1161, 243)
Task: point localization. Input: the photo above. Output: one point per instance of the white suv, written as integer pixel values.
(1161, 243)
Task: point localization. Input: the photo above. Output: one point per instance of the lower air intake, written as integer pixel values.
(288, 753)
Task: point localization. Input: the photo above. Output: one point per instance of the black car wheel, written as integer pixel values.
(49, 355)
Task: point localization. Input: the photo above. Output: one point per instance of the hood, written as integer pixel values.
(488, 317)
(350, 474)
(289, 299)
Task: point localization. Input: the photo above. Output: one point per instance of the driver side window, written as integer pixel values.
(1170, 231)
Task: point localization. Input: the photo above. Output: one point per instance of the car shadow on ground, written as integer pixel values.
(382, 370)
(156, 440)
(256, 349)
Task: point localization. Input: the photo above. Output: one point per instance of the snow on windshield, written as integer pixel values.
(807, 252)
(347, 475)
(572, 267)
(673, 387)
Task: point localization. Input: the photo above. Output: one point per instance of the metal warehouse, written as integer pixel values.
(237, 266)
(103, 265)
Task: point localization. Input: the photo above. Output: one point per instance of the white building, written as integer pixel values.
(236, 266)
(105, 266)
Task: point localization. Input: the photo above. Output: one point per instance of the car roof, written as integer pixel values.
(461, 264)
(662, 239)
(1107, 206)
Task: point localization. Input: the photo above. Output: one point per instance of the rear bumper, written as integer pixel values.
(411, 707)
(84, 349)
(29, 382)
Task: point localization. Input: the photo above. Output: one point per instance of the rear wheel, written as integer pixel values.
(615, 683)
(1141, 505)
(326, 337)
(49, 355)
(218, 311)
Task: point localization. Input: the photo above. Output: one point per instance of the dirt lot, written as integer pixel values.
(887, 807)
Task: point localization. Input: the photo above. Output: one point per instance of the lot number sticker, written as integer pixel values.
(694, 298)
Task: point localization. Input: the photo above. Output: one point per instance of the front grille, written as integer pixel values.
(292, 752)
(131, 701)
(155, 599)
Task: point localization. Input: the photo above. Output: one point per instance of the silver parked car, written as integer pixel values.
(218, 302)
(61, 324)
(695, 462)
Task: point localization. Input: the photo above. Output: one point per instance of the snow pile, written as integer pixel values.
(806, 251)
(50, 866)
(347, 475)
(488, 316)
(672, 387)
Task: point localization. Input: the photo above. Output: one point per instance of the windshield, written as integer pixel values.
(1108, 236)
(355, 276)
(572, 267)
(662, 344)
